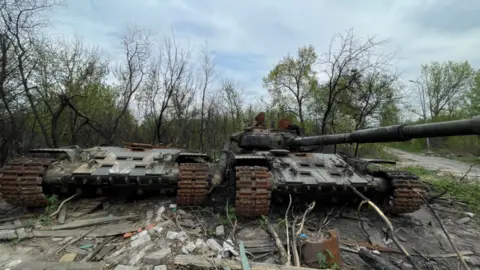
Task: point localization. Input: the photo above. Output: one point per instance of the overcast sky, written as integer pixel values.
(249, 37)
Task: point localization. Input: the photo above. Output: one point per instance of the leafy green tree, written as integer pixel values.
(292, 81)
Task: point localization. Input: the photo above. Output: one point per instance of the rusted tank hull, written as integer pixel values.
(26, 181)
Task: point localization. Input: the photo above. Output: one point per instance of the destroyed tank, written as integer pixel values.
(259, 165)
(136, 167)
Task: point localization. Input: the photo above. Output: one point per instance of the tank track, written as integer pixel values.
(253, 191)
(404, 198)
(21, 181)
(193, 184)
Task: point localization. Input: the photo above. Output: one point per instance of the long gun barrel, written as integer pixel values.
(396, 133)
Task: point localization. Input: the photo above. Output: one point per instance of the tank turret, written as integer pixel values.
(259, 162)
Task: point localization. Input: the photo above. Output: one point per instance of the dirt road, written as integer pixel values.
(436, 163)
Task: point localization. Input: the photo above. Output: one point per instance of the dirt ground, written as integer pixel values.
(198, 231)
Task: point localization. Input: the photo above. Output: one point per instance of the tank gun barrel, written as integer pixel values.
(396, 133)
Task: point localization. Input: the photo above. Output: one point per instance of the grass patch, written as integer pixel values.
(465, 191)
(469, 160)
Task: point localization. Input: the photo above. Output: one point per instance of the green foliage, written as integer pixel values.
(292, 81)
(464, 191)
(446, 85)
(322, 260)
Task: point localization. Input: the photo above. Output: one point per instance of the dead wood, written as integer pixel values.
(374, 261)
(103, 231)
(278, 243)
(386, 220)
(75, 239)
(460, 257)
(97, 249)
(61, 205)
(89, 222)
(201, 261)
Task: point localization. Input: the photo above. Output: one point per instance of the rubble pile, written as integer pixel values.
(156, 234)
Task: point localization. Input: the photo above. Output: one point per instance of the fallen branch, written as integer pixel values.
(200, 261)
(287, 261)
(296, 257)
(74, 240)
(460, 257)
(374, 261)
(431, 256)
(89, 222)
(387, 221)
(61, 205)
(97, 249)
(278, 243)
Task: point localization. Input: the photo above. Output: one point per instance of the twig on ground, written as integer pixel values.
(296, 257)
(287, 262)
(234, 226)
(61, 205)
(386, 220)
(460, 257)
(278, 243)
(309, 209)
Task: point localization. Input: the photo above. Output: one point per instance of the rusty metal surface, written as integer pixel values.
(21, 181)
(407, 192)
(253, 191)
(193, 183)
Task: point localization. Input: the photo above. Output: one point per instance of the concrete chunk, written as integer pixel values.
(125, 267)
(220, 230)
(157, 257)
(160, 267)
(69, 257)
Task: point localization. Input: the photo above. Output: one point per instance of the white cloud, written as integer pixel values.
(249, 37)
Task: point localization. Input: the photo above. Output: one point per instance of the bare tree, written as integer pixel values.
(344, 67)
(169, 73)
(20, 20)
(207, 70)
(233, 97)
(131, 74)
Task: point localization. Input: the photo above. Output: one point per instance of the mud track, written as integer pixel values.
(444, 165)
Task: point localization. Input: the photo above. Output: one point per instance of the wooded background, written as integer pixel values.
(57, 92)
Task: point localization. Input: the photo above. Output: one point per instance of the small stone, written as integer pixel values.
(214, 245)
(182, 236)
(69, 257)
(463, 220)
(188, 248)
(141, 239)
(201, 245)
(171, 235)
(125, 267)
(156, 258)
(160, 267)
(220, 230)
(8, 235)
(138, 256)
(149, 217)
(160, 213)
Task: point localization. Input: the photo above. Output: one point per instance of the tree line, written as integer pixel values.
(57, 92)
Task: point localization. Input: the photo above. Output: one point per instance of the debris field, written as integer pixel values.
(154, 233)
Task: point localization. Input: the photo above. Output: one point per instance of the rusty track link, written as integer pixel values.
(21, 181)
(193, 183)
(405, 197)
(253, 191)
